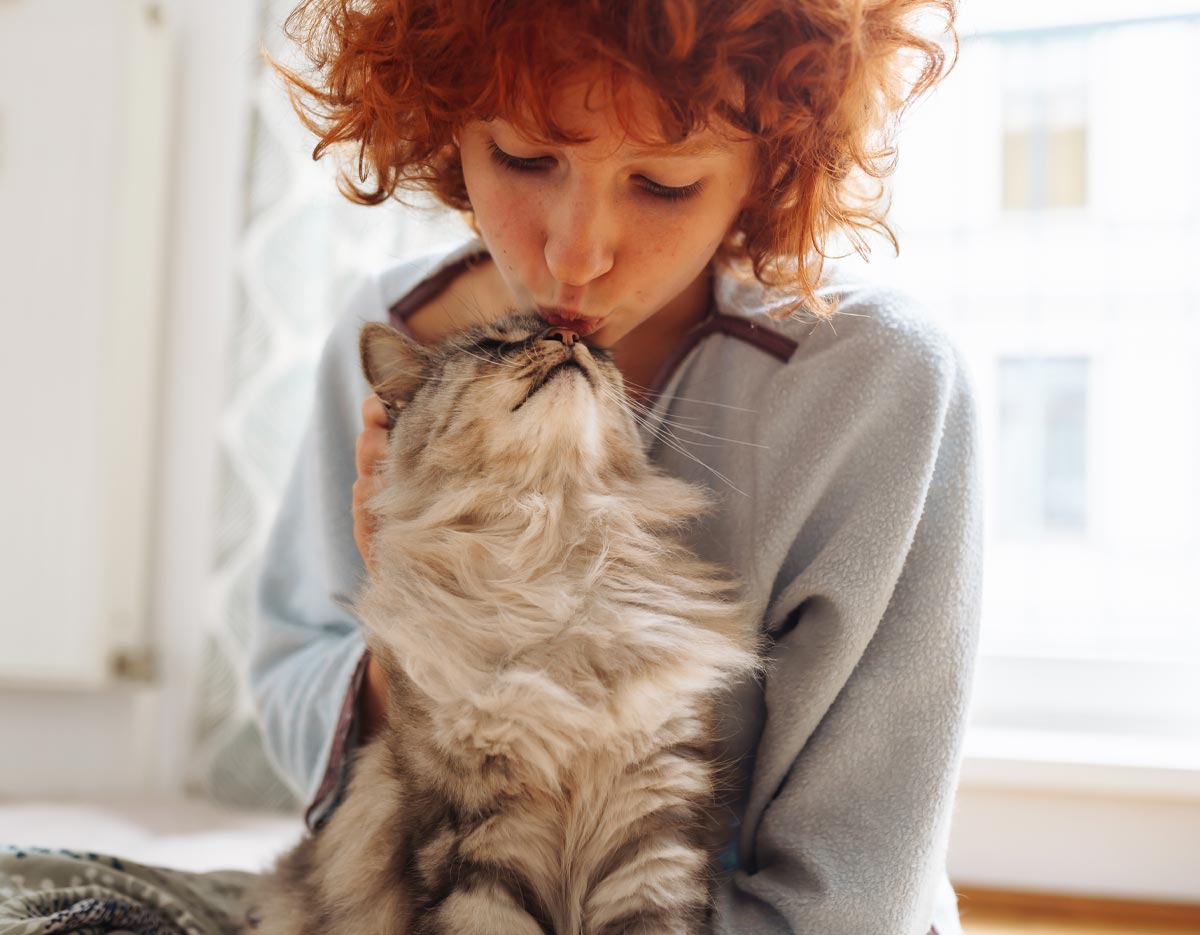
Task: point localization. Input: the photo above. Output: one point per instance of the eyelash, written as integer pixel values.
(492, 346)
(665, 192)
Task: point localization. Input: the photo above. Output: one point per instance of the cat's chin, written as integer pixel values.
(569, 376)
(568, 370)
(561, 427)
(562, 384)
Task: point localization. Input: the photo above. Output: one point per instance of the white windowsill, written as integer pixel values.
(1082, 764)
(1078, 812)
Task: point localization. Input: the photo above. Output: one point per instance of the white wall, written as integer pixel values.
(82, 201)
(136, 735)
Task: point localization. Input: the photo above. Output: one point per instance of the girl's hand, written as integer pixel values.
(370, 448)
(372, 701)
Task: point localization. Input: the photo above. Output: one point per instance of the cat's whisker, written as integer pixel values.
(492, 363)
(720, 438)
(476, 315)
(677, 417)
(479, 357)
(476, 318)
(686, 399)
(677, 421)
(678, 446)
(647, 420)
(673, 422)
(827, 320)
(668, 438)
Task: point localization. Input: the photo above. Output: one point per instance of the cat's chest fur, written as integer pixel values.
(574, 851)
(593, 649)
(553, 652)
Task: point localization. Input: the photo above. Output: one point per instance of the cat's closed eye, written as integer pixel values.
(491, 345)
(504, 346)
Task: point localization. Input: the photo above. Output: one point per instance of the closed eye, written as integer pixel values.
(544, 163)
(502, 349)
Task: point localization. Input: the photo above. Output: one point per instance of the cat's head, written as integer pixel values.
(513, 402)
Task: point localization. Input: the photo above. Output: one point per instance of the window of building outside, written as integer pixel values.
(1033, 232)
(1045, 149)
(1045, 127)
(1041, 445)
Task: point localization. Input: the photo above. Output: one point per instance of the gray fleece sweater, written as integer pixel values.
(845, 461)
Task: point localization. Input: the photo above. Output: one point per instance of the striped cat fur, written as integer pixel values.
(554, 653)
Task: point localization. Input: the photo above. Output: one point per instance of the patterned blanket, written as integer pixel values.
(48, 891)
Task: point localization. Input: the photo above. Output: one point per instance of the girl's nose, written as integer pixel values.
(578, 248)
(566, 335)
(574, 261)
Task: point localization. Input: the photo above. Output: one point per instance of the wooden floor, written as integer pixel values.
(987, 912)
(1000, 924)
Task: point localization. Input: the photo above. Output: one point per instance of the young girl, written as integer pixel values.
(658, 176)
(663, 177)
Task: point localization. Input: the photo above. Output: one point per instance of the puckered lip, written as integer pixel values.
(581, 324)
(563, 312)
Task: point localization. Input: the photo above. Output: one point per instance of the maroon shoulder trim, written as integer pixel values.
(779, 346)
(771, 342)
(429, 289)
(335, 768)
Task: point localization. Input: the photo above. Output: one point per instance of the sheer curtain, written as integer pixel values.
(301, 250)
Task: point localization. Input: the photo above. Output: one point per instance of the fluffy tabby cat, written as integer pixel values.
(553, 653)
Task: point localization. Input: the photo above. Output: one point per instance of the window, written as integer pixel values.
(1045, 127)
(1041, 445)
(1060, 264)
(1045, 151)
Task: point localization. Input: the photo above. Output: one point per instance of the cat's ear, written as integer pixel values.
(393, 364)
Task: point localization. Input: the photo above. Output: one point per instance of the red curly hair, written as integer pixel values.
(817, 84)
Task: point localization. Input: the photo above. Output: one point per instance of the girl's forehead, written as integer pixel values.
(606, 142)
(598, 107)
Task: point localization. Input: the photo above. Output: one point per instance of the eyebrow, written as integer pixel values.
(695, 147)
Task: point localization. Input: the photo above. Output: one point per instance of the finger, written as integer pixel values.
(364, 525)
(369, 448)
(360, 495)
(361, 461)
(374, 415)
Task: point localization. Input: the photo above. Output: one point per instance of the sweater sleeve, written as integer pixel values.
(307, 655)
(876, 531)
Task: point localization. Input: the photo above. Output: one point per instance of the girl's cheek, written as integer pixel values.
(517, 227)
(510, 232)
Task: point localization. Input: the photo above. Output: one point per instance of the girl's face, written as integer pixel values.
(609, 232)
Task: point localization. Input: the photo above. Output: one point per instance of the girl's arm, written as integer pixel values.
(869, 520)
(308, 663)
(368, 451)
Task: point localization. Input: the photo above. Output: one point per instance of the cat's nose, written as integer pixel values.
(566, 335)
